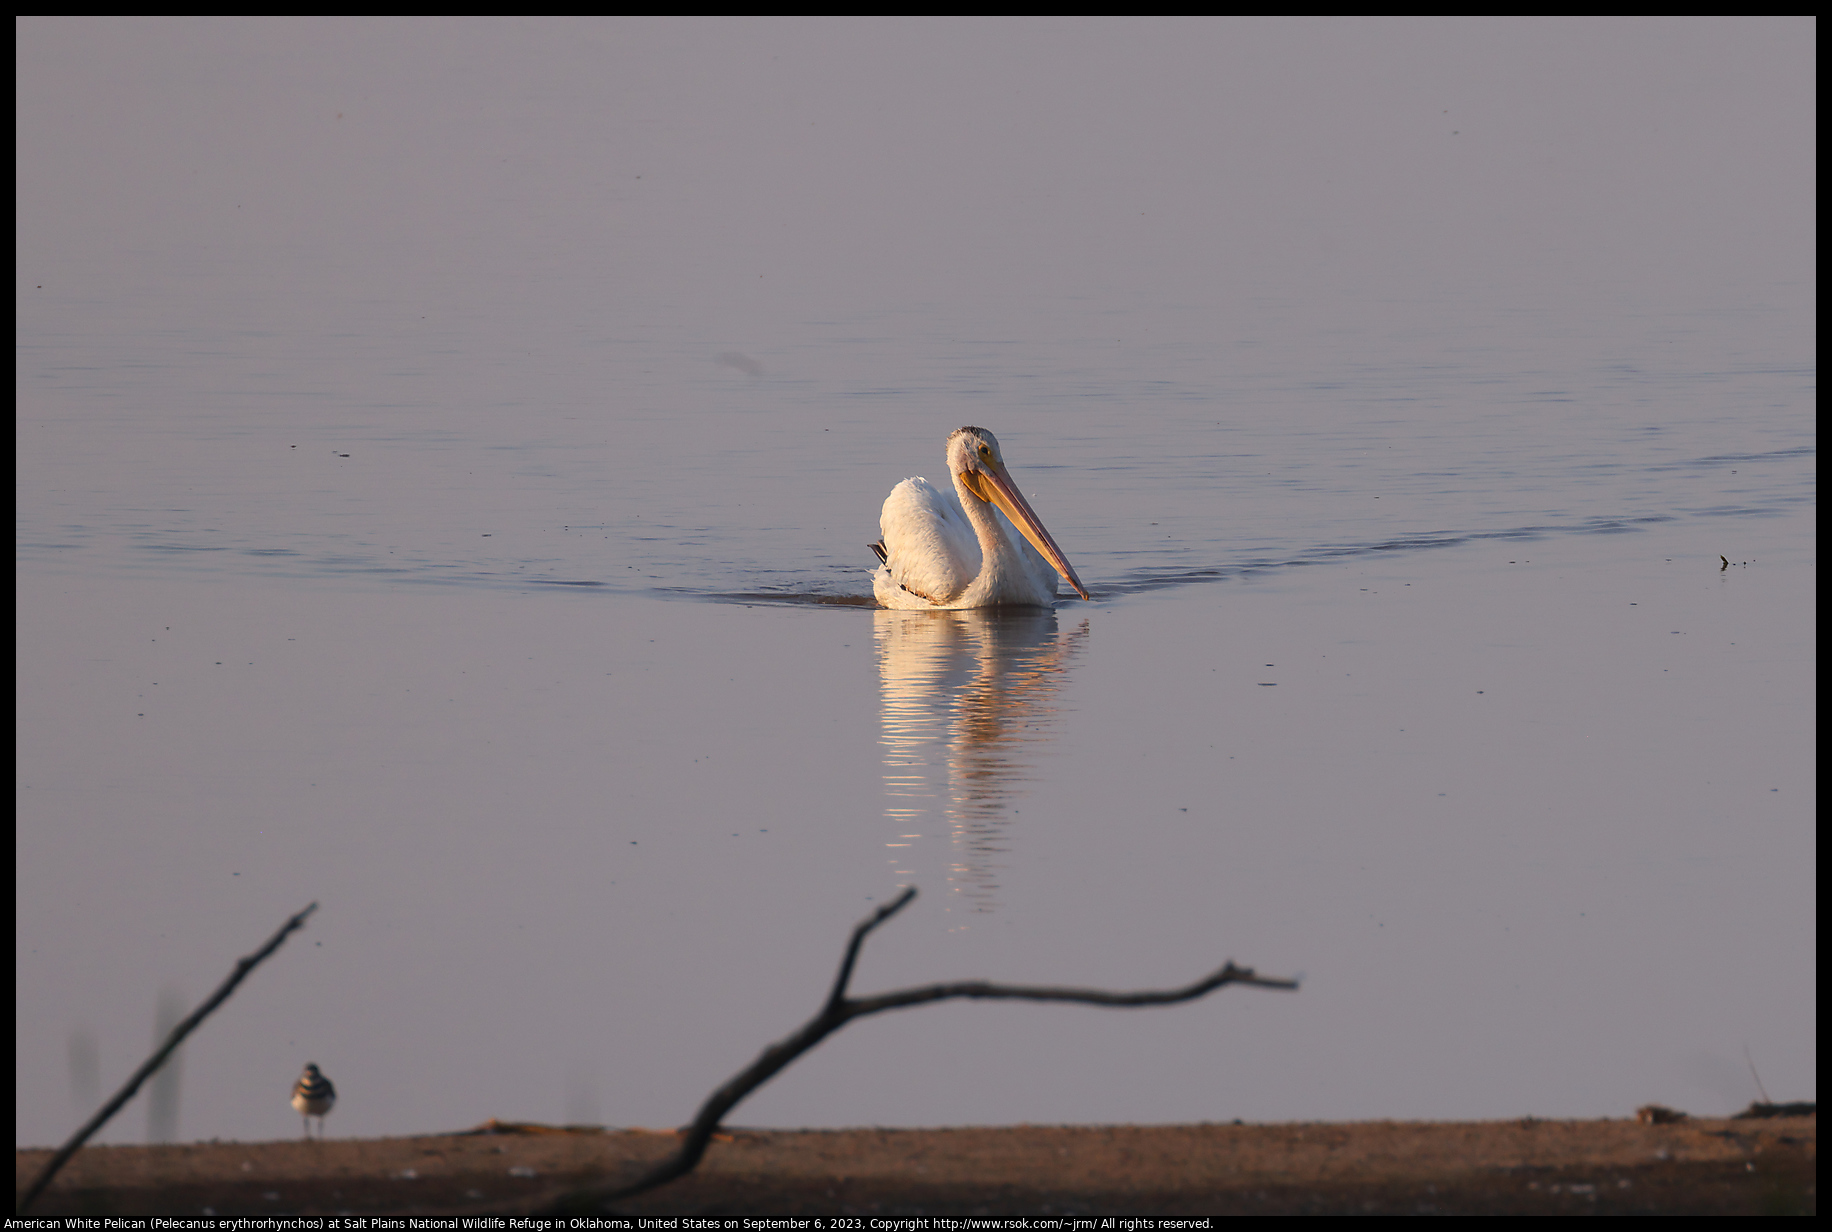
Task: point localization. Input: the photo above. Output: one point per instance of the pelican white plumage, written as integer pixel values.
(949, 550)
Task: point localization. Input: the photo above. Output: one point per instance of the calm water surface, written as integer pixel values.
(1456, 711)
(1451, 643)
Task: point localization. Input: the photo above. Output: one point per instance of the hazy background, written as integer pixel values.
(404, 404)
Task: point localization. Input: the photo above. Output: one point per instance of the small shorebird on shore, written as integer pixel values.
(313, 1096)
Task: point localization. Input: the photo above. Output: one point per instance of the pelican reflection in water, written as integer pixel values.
(971, 704)
(949, 550)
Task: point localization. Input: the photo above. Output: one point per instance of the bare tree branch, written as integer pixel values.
(840, 1010)
(858, 939)
(153, 1062)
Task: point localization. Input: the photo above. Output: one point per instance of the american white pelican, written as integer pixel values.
(950, 550)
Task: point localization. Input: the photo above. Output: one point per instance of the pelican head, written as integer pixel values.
(979, 470)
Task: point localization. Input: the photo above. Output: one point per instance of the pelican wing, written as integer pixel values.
(931, 553)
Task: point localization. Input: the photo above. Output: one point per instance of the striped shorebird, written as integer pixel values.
(313, 1096)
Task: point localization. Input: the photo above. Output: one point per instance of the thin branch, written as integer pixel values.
(840, 1010)
(242, 968)
(858, 939)
(1760, 1089)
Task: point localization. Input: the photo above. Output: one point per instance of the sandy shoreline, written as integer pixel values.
(1496, 1167)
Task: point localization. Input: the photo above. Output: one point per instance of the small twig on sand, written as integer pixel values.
(153, 1062)
(840, 1010)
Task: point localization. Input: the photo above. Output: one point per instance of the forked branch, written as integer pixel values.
(840, 1010)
